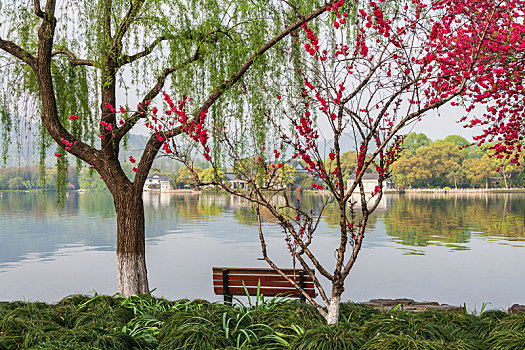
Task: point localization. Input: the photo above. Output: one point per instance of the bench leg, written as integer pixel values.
(301, 284)
(226, 287)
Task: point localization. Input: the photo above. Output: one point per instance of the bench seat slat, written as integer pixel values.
(264, 291)
(276, 284)
(253, 278)
(254, 271)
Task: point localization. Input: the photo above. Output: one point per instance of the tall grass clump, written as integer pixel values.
(146, 322)
(218, 326)
(78, 322)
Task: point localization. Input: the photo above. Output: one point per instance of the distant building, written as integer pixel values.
(299, 167)
(370, 182)
(157, 182)
(236, 183)
(302, 174)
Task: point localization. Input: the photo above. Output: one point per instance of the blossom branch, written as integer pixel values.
(244, 68)
(161, 80)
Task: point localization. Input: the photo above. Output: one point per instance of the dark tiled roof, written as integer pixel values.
(159, 177)
(230, 176)
(367, 176)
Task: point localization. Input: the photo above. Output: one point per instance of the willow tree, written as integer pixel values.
(69, 61)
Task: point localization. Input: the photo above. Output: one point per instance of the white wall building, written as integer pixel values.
(370, 182)
(236, 183)
(158, 182)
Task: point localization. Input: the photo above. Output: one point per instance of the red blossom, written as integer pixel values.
(110, 107)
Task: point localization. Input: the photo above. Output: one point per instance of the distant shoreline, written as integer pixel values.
(320, 192)
(460, 190)
(415, 191)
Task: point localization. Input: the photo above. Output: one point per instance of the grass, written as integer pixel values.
(103, 322)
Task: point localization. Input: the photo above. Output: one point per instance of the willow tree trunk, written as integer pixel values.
(131, 247)
(129, 207)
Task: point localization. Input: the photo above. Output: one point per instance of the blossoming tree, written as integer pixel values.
(499, 83)
(385, 69)
(199, 47)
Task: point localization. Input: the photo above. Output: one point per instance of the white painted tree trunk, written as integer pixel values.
(333, 310)
(132, 274)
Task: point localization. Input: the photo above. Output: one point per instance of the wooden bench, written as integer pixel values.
(229, 281)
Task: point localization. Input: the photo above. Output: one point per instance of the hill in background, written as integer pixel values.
(21, 148)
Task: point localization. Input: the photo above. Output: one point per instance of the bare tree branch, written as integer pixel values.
(279, 271)
(41, 64)
(125, 59)
(50, 8)
(146, 161)
(15, 50)
(124, 25)
(37, 10)
(73, 60)
(107, 20)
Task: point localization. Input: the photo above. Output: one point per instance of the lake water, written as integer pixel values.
(452, 249)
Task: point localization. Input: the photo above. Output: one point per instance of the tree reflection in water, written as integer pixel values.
(451, 219)
(420, 220)
(411, 220)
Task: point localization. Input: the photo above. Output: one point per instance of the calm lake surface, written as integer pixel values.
(455, 248)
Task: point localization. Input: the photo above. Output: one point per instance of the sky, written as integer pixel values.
(433, 124)
(437, 127)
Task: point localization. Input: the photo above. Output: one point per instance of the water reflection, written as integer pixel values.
(33, 225)
(47, 253)
(451, 220)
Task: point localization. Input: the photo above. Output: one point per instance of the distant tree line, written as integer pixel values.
(446, 163)
(29, 178)
(423, 164)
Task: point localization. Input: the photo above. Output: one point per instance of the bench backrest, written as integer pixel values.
(271, 283)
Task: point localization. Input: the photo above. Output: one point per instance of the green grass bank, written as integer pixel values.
(103, 322)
